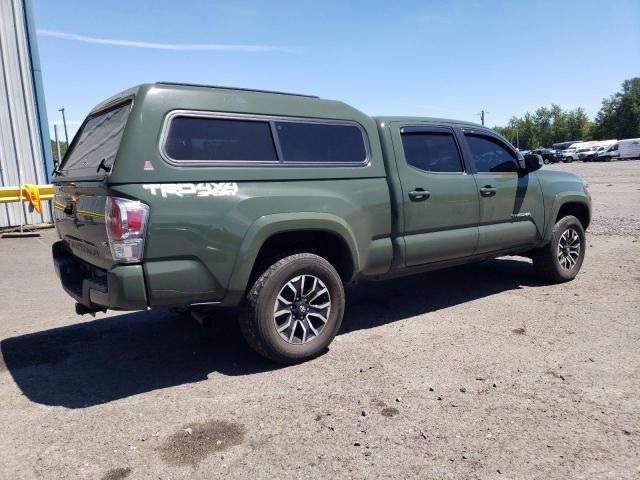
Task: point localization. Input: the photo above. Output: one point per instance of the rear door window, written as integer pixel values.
(96, 143)
(432, 152)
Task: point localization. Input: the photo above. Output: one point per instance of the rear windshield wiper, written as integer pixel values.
(102, 166)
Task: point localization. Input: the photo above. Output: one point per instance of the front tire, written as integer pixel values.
(561, 259)
(294, 309)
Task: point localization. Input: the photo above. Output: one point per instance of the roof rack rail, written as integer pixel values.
(235, 88)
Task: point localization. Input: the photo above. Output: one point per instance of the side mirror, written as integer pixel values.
(532, 162)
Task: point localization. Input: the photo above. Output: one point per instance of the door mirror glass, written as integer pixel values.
(532, 162)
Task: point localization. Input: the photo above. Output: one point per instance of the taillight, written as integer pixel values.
(126, 222)
(114, 219)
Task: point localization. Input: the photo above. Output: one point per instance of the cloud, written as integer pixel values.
(202, 47)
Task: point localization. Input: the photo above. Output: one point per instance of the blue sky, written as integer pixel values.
(432, 58)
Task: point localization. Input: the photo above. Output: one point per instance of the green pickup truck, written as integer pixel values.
(188, 196)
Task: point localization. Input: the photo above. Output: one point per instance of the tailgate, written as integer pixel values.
(80, 222)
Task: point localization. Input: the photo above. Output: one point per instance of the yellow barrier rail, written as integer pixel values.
(12, 194)
(34, 194)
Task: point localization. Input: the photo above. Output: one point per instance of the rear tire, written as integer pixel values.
(561, 259)
(294, 309)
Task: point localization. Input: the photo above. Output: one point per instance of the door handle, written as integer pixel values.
(419, 195)
(488, 191)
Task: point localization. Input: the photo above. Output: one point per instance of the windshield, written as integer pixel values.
(94, 147)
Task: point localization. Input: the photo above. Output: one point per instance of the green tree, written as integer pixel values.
(578, 126)
(543, 125)
(63, 150)
(619, 116)
(547, 126)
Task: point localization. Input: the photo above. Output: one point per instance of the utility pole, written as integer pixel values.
(55, 131)
(517, 138)
(482, 114)
(64, 122)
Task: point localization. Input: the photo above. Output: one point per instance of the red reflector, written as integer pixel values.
(135, 218)
(116, 221)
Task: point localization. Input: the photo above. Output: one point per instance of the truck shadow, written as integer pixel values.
(111, 358)
(377, 303)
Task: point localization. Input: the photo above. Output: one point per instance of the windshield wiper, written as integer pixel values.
(102, 166)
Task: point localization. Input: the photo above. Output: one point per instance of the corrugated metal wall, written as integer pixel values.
(21, 142)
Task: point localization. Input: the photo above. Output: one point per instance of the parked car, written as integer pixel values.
(607, 153)
(570, 154)
(588, 154)
(548, 155)
(581, 153)
(564, 145)
(598, 151)
(188, 196)
(596, 147)
(573, 152)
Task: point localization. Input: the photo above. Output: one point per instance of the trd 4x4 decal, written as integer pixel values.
(220, 189)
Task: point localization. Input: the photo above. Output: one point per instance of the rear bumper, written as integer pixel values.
(120, 288)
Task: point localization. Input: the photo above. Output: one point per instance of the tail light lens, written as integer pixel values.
(126, 222)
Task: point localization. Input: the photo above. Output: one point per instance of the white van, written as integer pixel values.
(594, 150)
(629, 148)
(622, 150)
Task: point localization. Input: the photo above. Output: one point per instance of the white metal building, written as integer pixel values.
(25, 153)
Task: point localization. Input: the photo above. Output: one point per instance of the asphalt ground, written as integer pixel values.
(479, 371)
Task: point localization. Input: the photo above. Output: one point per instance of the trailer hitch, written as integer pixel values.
(83, 310)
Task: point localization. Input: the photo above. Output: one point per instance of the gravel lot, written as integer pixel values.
(473, 372)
